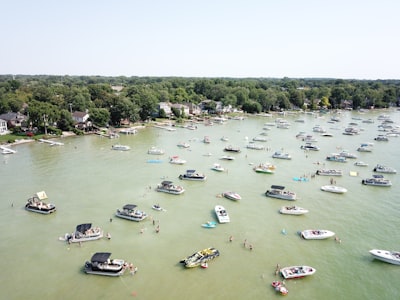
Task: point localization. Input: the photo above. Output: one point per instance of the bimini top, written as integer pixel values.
(377, 176)
(100, 257)
(166, 182)
(277, 187)
(82, 228)
(129, 206)
(190, 171)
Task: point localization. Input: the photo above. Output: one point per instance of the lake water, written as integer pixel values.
(88, 181)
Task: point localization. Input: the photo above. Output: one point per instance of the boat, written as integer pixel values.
(384, 169)
(377, 180)
(309, 147)
(297, 272)
(265, 168)
(391, 257)
(231, 148)
(381, 138)
(183, 145)
(336, 158)
(168, 187)
(293, 210)
(130, 212)
(366, 147)
(84, 233)
(312, 234)
(209, 224)
(347, 154)
(224, 139)
(309, 139)
(281, 155)
(278, 191)
(176, 160)
(157, 207)
(255, 146)
(227, 157)
(155, 151)
(120, 147)
(217, 167)
(200, 257)
(206, 140)
(360, 164)
(232, 196)
(260, 139)
(192, 175)
(128, 131)
(101, 264)
(36, 204)
(329, 172)
(6, 150)
(280, 287)
(333, 189)
(222, 214)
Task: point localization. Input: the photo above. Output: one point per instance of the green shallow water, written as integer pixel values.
(87, 181)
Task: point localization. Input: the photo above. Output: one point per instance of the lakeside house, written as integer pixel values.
(3, 127)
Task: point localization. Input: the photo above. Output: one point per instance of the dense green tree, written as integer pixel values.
(99, 116)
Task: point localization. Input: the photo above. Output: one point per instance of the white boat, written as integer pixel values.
(312, 234)
(128, 131)
(6, 150)
(155, 151)
(227, 157)
(157, 207)
(336, 158)
(169, 188)
(255, 146)
(329, 172)
(309, 147)
(278, 191)
(260, 139)
(232, 196)
(193, 175)
(360, 164)
(224, 139)
(297, 272)
(293, 210)
(183, 145)
(120, 147)
(377, 180)
(384, 169)
(391, 257)
(222, 214)
(281, 155)
(101, 264)
(381, 138)
(206, 140)
(333, 189)
(231, 148)
(200, 257)
(217, 167)
(365, 147)
(130, 212)
(265, 168)
(36, 204)
(176, 160)
(84, 233)
(309, 139)
(347, 154)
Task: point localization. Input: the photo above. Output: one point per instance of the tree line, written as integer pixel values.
(51, 99)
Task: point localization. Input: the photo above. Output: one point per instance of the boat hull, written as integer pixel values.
(391, 257)
(316, 234)
(297, 272)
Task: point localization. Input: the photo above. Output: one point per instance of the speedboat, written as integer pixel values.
(347, 154)
(192, 175)
(36, 204)
(232, 196)
(293, 210)
(280, 287)
(336, 158)
(200, 257)
(360, 164)
(183, 145)
(312, 234)
(227, 157)
(333, 189)
(155, 151)
(232, 149)
(281, 155)
(83, 233)
(365, 147)
(309, 147)
(278, 191)
(391, 257)
(297, 271)
(381, 138)
(130, 212)
(206, 140)
(260, 139)
(217, 167)
(209, 224)
(384, 169)
(265, 168)
(377, 180)
(157, 207)
(101, 264)
(254, 146)
(222, 214)
(168, 187)
(329, 172)
(120, 147)
(176, 160)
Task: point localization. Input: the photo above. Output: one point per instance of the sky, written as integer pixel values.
(348, 39)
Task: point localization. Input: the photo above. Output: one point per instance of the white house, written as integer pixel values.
(80, 116)
(3, 127)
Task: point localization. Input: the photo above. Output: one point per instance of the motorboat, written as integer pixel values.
(227, 157)
(309, 139)
(209, 224)
(347, 154)
(176, 160)
(377, 180)
(281, 155)
(232, 196)
(102, 264)
(384, 169)
(381, 138)
(36, 204)
(170, 188)
(193, 175)
(222, 214)
(336, 158)
(84, 233)
(329, 172)
(391, 257)
(129, 131)
(155, 151)
(183, 145)
(231, 148)
(318, 129)
(280, 287)
(217, 167)
(309, 147)
(200, 257)
(130, 212)
(297, 271)
(360, 164)
(279, 192)
(365, 147)
(265, 168)
(255, 146)
(312, 234)
(224, 139)
(206, 140)
(293, 210)
(260, 139)
(120, 147)
(333, 189)
(157, 207)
